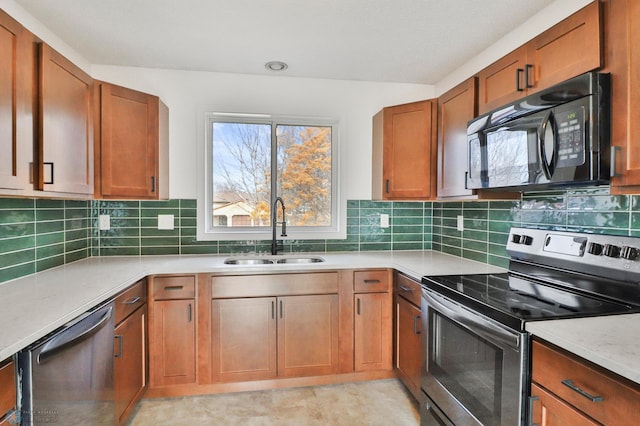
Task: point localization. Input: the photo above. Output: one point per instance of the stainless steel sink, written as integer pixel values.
(248, 261)
(264, 260)
(300, 260)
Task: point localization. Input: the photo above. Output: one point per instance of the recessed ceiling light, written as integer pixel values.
(276, 66)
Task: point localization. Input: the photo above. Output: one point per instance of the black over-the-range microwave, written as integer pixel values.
(554, 138)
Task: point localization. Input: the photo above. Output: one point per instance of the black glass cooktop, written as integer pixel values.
(513, 299)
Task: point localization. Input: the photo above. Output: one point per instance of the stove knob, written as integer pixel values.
(516, 238)
(595, 249)
(526, 240)
(611, 251)
(629, 253)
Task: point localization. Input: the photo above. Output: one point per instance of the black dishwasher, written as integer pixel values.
(67, 377)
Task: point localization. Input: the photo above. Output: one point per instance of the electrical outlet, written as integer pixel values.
(104, 222)
(384, 220)
(165, 221)
(460, 223)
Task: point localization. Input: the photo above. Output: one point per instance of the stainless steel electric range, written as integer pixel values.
(477, 366)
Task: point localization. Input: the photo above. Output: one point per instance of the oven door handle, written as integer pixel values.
(482, 327)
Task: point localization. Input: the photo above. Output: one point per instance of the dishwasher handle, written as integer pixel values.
(76, 333)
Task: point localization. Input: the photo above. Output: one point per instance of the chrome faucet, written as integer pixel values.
(274, 225)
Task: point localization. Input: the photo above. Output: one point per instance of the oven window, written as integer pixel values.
(508, 155)
(468, 366)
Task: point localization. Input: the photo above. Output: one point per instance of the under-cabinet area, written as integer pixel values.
(216, 333)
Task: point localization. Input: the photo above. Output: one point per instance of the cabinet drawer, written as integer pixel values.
(130, 300)
(620, 399)
(408, 288)
(174, 287)
(274, 285)
(371, 281)
(7, 388)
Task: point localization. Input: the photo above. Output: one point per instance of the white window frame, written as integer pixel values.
(207, 232)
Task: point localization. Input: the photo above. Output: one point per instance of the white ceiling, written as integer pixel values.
(405, 41)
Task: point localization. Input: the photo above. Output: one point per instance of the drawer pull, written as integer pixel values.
(403, 288)
(569, 383)
(132, 301)
(174, 287)
(372, 281)
(416, 320)
(532, 400)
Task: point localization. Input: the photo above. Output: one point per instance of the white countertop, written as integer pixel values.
(33, 306)
(611, 342)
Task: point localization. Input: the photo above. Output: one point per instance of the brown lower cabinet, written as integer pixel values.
(407, 331)
(568, 390)
(172, 334)
(130, 349)
(7, 391)
(268, 337)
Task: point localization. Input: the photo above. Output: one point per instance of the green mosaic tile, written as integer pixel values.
(154, 232)
(146, 251)
(71, 246)
(451, 213)
(203, 249)
(153, 213)
(124, 222)
(475, 235)
(159, 241)
(16, 203)
(52, 238)
(48, 214)
(49, 251)
(476, 224)
(15, 244)
(476, 214)
(119, 242)
(498, 238)
(8, 260)
(77, 255)
(475, 245)
(188, 204)
(46, 227)
(544, 217)
(366, 204)
(599, 219)
(475, 255)
(600, 203)
(16, 216)
(49, 263)
(449, 241)
(120, 232)
(399, 238)
(501, 226)
(160, 204)
(476, 205)
(188, 213)
(503, 205)
(501, 262)
(188, 222)
(17, 271)
(369, 246)
(339, 246)
(118, 205)
(43, 203)
(375, 238)
(456, 251)
(407, 229)
(119, 251)
(398, 221)
(17, 230)
(452, 205)
(407, 246)
(307, 246)
(498, 250)
(353, 204)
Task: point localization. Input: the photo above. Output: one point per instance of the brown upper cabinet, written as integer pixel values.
(404, 152)
(622, 58)
(455, 108)
(132, 144)
(16, 93)
(65, 131)
(569, 48)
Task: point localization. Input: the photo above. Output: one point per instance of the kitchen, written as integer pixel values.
(486, 222)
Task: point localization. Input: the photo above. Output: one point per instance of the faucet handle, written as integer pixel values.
(284, 228)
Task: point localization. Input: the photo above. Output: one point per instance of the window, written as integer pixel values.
(252, 159)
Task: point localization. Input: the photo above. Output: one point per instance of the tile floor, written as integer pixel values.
(379, 402)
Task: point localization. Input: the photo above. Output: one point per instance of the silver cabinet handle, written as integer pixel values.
(532, 400)
(403, 288)
(120, 337)
(189, 313)
(372, 281)
(132, 301)
(614, 155)
(416, 320)
(569, 383)
(358, 307)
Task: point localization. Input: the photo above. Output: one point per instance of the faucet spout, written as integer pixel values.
(274, 224)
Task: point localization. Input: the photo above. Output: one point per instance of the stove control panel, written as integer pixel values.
(578, 251)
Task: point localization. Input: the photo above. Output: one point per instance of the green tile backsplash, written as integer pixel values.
(39, 234)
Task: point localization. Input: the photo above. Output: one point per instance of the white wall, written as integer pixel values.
(185, 92)
(543, 20)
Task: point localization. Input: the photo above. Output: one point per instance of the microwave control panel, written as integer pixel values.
(570, 137)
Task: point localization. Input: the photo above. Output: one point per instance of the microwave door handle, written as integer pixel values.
(546, 132)
(477, 324)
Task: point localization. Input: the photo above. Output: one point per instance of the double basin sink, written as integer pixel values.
(271, 260)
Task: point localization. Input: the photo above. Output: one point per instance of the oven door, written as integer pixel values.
(475, 370)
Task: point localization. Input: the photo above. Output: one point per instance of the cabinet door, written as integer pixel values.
(407, 345)
(503, 81)
(548, 410)
(173, 343)
(408, 152)
(243, 339)
(570, 48)
(623, 62)
(455, 109)
(307, 335)
(66, 125)
(7, 388)
(128, 157)
(129, 367)
(372, 331)
(16, 127)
